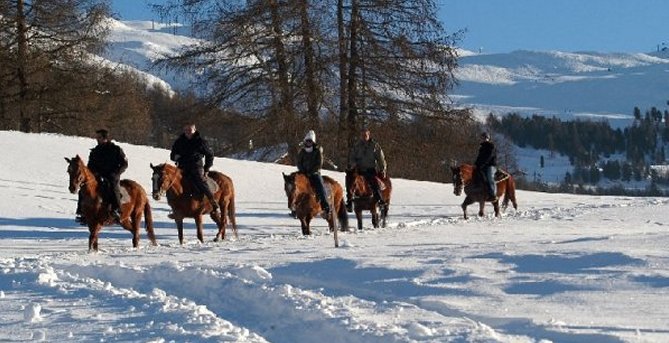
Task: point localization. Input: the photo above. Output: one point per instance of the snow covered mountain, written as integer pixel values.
(565, 84)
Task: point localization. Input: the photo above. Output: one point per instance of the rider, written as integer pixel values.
(486, 163)
(368, 158)
(187, 152)
(107, 161)
(310, 162)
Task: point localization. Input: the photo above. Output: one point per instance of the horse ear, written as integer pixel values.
(285, 177)
(68, 160)
(152, 166)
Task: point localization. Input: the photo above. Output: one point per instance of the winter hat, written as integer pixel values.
(311, 136)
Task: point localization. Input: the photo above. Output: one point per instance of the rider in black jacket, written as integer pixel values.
(188, 151)
(486, 164)
(107, 161)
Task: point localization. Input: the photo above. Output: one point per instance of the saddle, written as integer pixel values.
(211, 183)
(107, 192)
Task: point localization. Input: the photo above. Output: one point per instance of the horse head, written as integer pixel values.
(457, 180)
(164, 176)
(290, 188)
(355, 183)
(77, 171)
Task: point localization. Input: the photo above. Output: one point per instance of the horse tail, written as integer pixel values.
(342, 215)
(510, 193)
(148, 221)
(231, 213)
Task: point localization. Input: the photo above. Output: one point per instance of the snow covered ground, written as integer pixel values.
(563, 268)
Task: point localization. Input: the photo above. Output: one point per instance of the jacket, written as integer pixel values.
(367, 155)
(310, 162)
(107, 159)
(487, 155)
(188, 153)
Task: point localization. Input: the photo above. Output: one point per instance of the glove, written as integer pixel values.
(383, 174)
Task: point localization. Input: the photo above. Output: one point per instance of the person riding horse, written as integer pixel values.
(187, 152)
(486, 164)
(107, 161)
(368, 158)
(309, 163)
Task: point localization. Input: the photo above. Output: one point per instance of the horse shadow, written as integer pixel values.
(59, 228)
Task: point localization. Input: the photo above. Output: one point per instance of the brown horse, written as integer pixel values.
(362, 197)
(96, 211)
(303, 200)
(169, 180)
(464, 176)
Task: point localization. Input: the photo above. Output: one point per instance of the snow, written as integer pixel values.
(563, 268)
(566, 84)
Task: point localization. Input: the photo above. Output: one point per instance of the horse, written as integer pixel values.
(95, 209)
(169, 180)
(303, 201)
(362, 197)
(464, 176)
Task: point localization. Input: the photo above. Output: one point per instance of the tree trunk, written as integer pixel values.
(343, 104)
(22, 32)
(353, 65)
(312, 90)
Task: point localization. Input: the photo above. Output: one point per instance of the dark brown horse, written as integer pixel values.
(475, 190)
(362, 197)
(181, 196)
(96, 211)
(303, 200)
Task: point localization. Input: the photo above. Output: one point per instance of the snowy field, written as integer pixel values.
(563, 268)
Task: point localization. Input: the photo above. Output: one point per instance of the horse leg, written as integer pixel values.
(133, 227)
(180, 229)
(468, 201)
(93, 231)
(220, 221)
(495, 205)
(481, 207)
(198, 225)
(375, 217)
(305, 225)
(384, 215)
(358, 215)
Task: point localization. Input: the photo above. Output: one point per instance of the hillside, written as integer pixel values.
(566, 84)
(563, 268)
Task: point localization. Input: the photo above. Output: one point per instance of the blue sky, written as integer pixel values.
(507, 25)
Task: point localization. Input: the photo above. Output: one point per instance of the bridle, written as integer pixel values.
(159, 179)
(80, 180)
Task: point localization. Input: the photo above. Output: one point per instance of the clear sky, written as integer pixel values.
(508, 25)
(567, 25)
